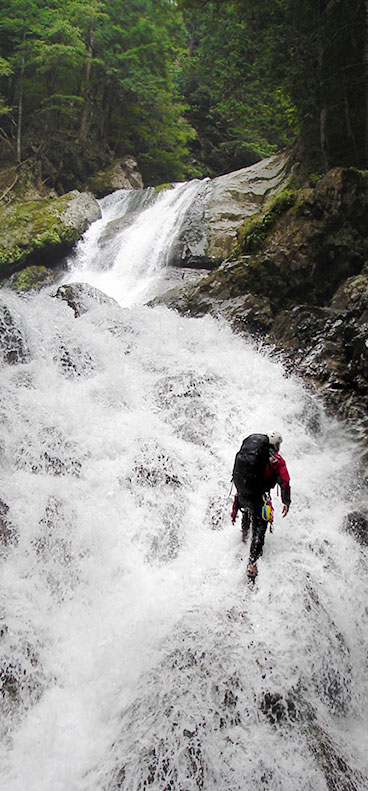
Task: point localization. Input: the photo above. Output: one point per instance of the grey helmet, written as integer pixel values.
(274, 438)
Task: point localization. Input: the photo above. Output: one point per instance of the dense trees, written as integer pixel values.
(327, 48)
(318, 54)
(101, 71)
(190, 87)
(240, 112)
(281, 68)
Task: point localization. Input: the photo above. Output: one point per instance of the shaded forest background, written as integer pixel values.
(189, 88)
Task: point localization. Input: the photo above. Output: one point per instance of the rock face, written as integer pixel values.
(37, 230)
(209, 229)
(80, 211)
(329, 348)
(238, 195)
(323, 239)
(298, 277)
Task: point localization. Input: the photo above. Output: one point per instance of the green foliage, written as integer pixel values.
(298, 67)
(5, 70)
(317, 54)
(97, 75)
(239, 113)
(190, 88)
(49, 238)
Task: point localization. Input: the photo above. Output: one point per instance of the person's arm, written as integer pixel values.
(283, 479)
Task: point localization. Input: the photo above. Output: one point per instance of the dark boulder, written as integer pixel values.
(356, 523)
(13, 344)
(328, 345)
(8, 534)
(82, 297)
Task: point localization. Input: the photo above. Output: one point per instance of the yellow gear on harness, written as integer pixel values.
(267, 512)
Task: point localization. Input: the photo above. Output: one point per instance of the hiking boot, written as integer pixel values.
(252, 570)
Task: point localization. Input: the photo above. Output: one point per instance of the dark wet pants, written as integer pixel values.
(252, 519)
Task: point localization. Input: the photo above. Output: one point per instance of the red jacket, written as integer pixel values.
(276, 472)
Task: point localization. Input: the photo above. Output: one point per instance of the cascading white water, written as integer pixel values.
(133, 653)
(125, 252)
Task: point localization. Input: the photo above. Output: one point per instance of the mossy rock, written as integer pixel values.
(256, 229)
(39, 230)
(32, 278)
(29, 228)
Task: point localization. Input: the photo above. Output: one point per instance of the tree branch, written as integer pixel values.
(9, 188)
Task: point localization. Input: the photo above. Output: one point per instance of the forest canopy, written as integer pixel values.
(190, 88)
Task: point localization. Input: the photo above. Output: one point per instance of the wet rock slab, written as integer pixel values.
(209, 228)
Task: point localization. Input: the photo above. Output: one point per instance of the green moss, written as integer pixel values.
(254, 232)
(31, 277)
(48, 238)
(10, 256)
(161, 187)
(31, 227)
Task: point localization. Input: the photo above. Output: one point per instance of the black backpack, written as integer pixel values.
(250, 463)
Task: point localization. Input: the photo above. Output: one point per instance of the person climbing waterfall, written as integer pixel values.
(258, 467)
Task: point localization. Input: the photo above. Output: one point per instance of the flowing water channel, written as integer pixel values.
(133, 654)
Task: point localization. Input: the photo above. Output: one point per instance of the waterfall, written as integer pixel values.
(133, 654)
(125, 253)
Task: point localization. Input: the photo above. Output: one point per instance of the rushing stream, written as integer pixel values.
(133, 653)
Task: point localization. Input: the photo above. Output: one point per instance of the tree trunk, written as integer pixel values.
(105, 105)
(86, 115)
(325, 8)
(350, 131)
(323, 112)
(20, 106)
(366, 83)
(323, 137)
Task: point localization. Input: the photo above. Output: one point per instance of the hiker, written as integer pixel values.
(258, 468)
